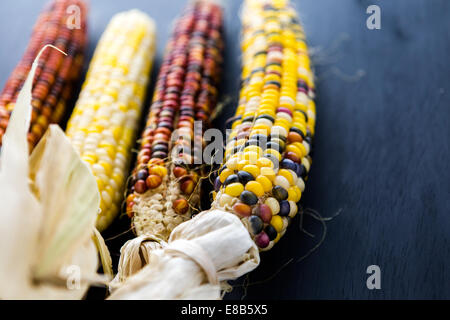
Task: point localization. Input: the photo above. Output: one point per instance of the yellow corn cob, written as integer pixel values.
(103, 125)
(267, 153)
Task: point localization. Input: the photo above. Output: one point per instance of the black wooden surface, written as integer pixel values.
(381, 153)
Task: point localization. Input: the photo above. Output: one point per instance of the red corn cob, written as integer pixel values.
(185, 92)
(56, 74)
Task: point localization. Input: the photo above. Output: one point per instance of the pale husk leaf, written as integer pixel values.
(49, 203)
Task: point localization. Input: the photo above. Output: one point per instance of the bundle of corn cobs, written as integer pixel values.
(267, 155)
(259, 186)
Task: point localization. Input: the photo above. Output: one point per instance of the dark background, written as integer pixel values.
(381, 154)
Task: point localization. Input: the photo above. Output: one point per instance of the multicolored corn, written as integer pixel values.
(56, 73)
(267, 157)
(103, 125)
(165, 183)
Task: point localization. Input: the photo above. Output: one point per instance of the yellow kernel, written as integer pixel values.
(261, 126)
(102, 207)
(224, 174)
(277, 223)
(302, 147)
(283, 122)
(264, 162)
(158, 170)
(234, 189)
(259, 131)
(107, 166)
(277, 238)
(123, 107)
(285, 173)
(268, 172)
(100, 184)
(254, 149)
(294, 194)
(294, 149)
(265, 183)
(118, 178)
(234, 125)
(251, 156)
(255, 187)
(242, 163)
(89, 159)
(110, 191)
(95, 129)
(110, 150)
(117, 132)
(104, 144)
(299, 193)
(267, 111)
(299, 125)
(252, 169)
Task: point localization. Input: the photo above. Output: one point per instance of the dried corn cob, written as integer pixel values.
(267, 154)
(165, 183)
(103, 125)
(56, 73)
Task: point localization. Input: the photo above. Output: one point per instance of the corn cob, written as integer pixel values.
(103, 125)
(164, 187)
(267, 154)
(56, 74)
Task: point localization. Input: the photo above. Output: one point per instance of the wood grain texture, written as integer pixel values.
(381, 151)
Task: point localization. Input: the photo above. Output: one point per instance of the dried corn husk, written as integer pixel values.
(49, 204)
(201, 254)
